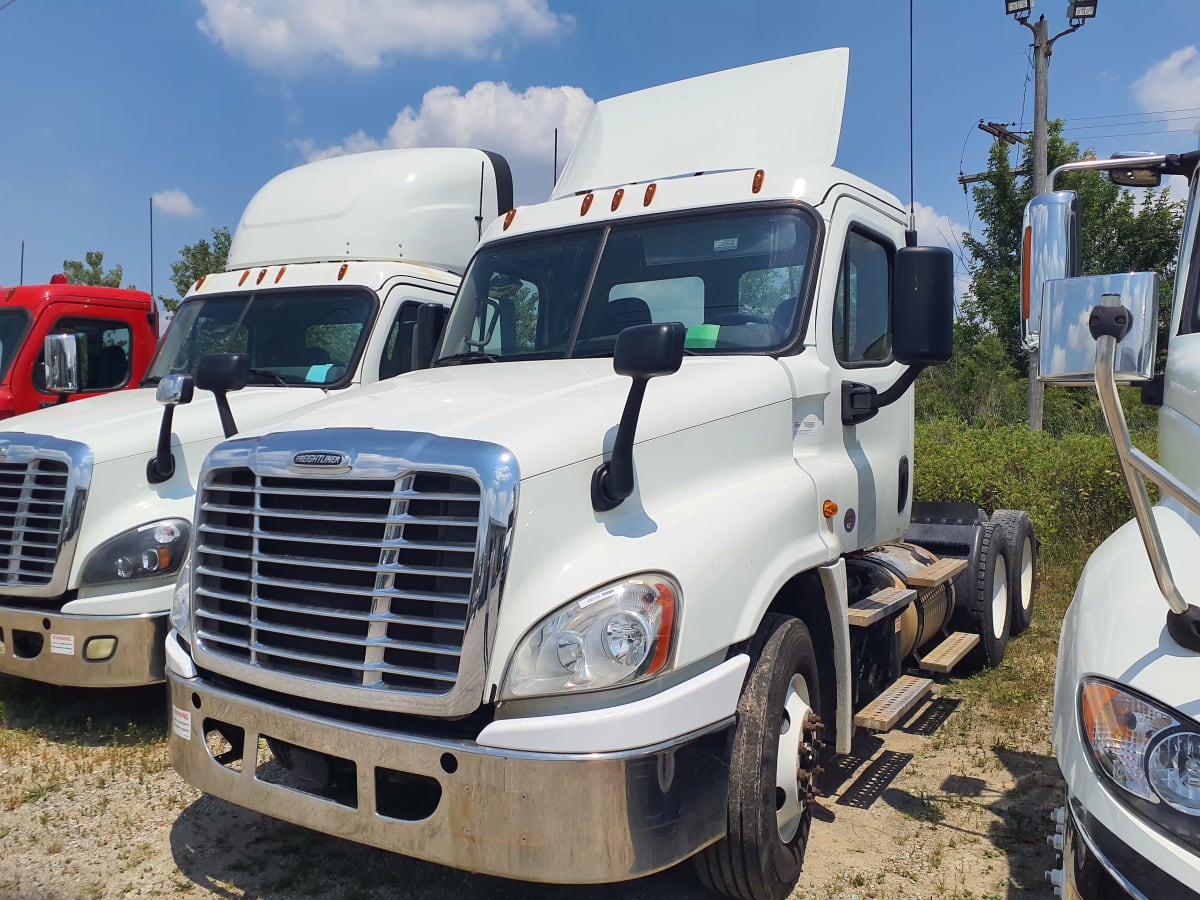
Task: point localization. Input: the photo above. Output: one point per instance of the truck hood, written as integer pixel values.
(126, 423)
(1116, 627)
(549, 413)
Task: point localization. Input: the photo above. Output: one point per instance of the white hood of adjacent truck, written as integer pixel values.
(551, 413)
(126, 423)
(775, 115)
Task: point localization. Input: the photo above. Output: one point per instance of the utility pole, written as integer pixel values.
(1079, 11)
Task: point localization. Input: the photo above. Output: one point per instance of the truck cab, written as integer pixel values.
(329, 270)
(118, 327)
(1127, 687)
(590, 594)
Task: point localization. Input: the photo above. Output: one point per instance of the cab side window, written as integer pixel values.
(862, 320)
(396, 358)
(106, 361)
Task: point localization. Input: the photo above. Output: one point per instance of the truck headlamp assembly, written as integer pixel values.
(618, 634)
(181, 603)
(1150, 752)
(148, 551)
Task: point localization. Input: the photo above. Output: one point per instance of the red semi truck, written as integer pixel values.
(116, 330)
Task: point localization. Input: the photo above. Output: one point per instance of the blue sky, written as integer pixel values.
(198, 102)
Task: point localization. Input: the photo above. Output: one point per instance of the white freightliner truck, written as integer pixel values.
(1127, 689)
(329, 269)
(521, 615)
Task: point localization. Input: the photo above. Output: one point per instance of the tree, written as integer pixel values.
(196, 260)
(1119, 234)
(91, 271)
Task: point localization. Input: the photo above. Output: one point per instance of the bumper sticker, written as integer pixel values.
(62, 643)
(181, 722)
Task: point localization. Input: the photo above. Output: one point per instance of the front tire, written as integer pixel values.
(773, 767)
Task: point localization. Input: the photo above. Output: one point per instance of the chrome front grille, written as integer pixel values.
(361, 582)
(33, 501)
(43, 488)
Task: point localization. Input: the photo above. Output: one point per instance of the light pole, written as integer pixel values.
(1078, 12)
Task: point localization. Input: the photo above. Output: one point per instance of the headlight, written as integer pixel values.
(148, 551)
(181, 603)
(1151, 752)
(619, 634)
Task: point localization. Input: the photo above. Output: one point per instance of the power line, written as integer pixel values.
(1155, 112)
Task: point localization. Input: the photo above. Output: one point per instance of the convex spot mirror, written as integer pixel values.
(1068, 351)
(1049, 250)
(175, 390)
(62, 354)
(923, 306)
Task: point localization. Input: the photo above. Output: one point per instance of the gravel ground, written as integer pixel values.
(89, 807)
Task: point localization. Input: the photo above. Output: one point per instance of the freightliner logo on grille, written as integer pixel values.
(319, 458)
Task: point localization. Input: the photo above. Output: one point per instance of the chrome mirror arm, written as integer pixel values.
(1136, 467)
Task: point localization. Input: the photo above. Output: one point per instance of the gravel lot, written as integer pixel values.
(89, 807)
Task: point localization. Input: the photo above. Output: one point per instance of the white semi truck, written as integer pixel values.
(328, 271)
(526, 613)
(1127, 689)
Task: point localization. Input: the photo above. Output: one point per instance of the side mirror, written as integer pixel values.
(647, 351)
(642, 352)
(427, 332)
(221, 373)
(1135, 176)
(1068, 351)
(173, 390)
(62, 354)
(923, 306)
(1049, 250)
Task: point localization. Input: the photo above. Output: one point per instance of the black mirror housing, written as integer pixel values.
(648, 351)
(923, 306)
(222, 372)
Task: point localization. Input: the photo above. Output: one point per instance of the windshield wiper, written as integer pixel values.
(471, 356)
(267, 373)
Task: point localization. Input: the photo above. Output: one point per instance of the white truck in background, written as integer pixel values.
(1127, 688)
(518, 614)
(328, 271)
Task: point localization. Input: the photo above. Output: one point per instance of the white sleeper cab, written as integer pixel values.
(329, 270)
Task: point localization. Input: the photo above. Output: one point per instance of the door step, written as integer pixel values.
(950, 652)
(882, 713)
(938, 573)
(882, 603)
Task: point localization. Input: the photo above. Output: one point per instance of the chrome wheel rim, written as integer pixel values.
(1026, 598)
(790, 793)
(1000, 599)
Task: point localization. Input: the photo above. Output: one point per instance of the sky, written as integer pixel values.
(197, 103)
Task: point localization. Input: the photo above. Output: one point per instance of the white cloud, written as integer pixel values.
(175, 203)
(287, 36)
(1173, 83)
(491, 116)
(935, 230)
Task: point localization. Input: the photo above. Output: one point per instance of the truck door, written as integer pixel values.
(854, 337)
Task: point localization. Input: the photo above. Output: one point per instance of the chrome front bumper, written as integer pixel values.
(73, 651)
(568, 818)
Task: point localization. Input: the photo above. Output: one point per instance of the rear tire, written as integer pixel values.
(1022, 558)
(773, 767)
(989, 611)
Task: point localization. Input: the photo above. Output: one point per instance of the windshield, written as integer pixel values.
(734, 279)
(293, 337)
(14, 324)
